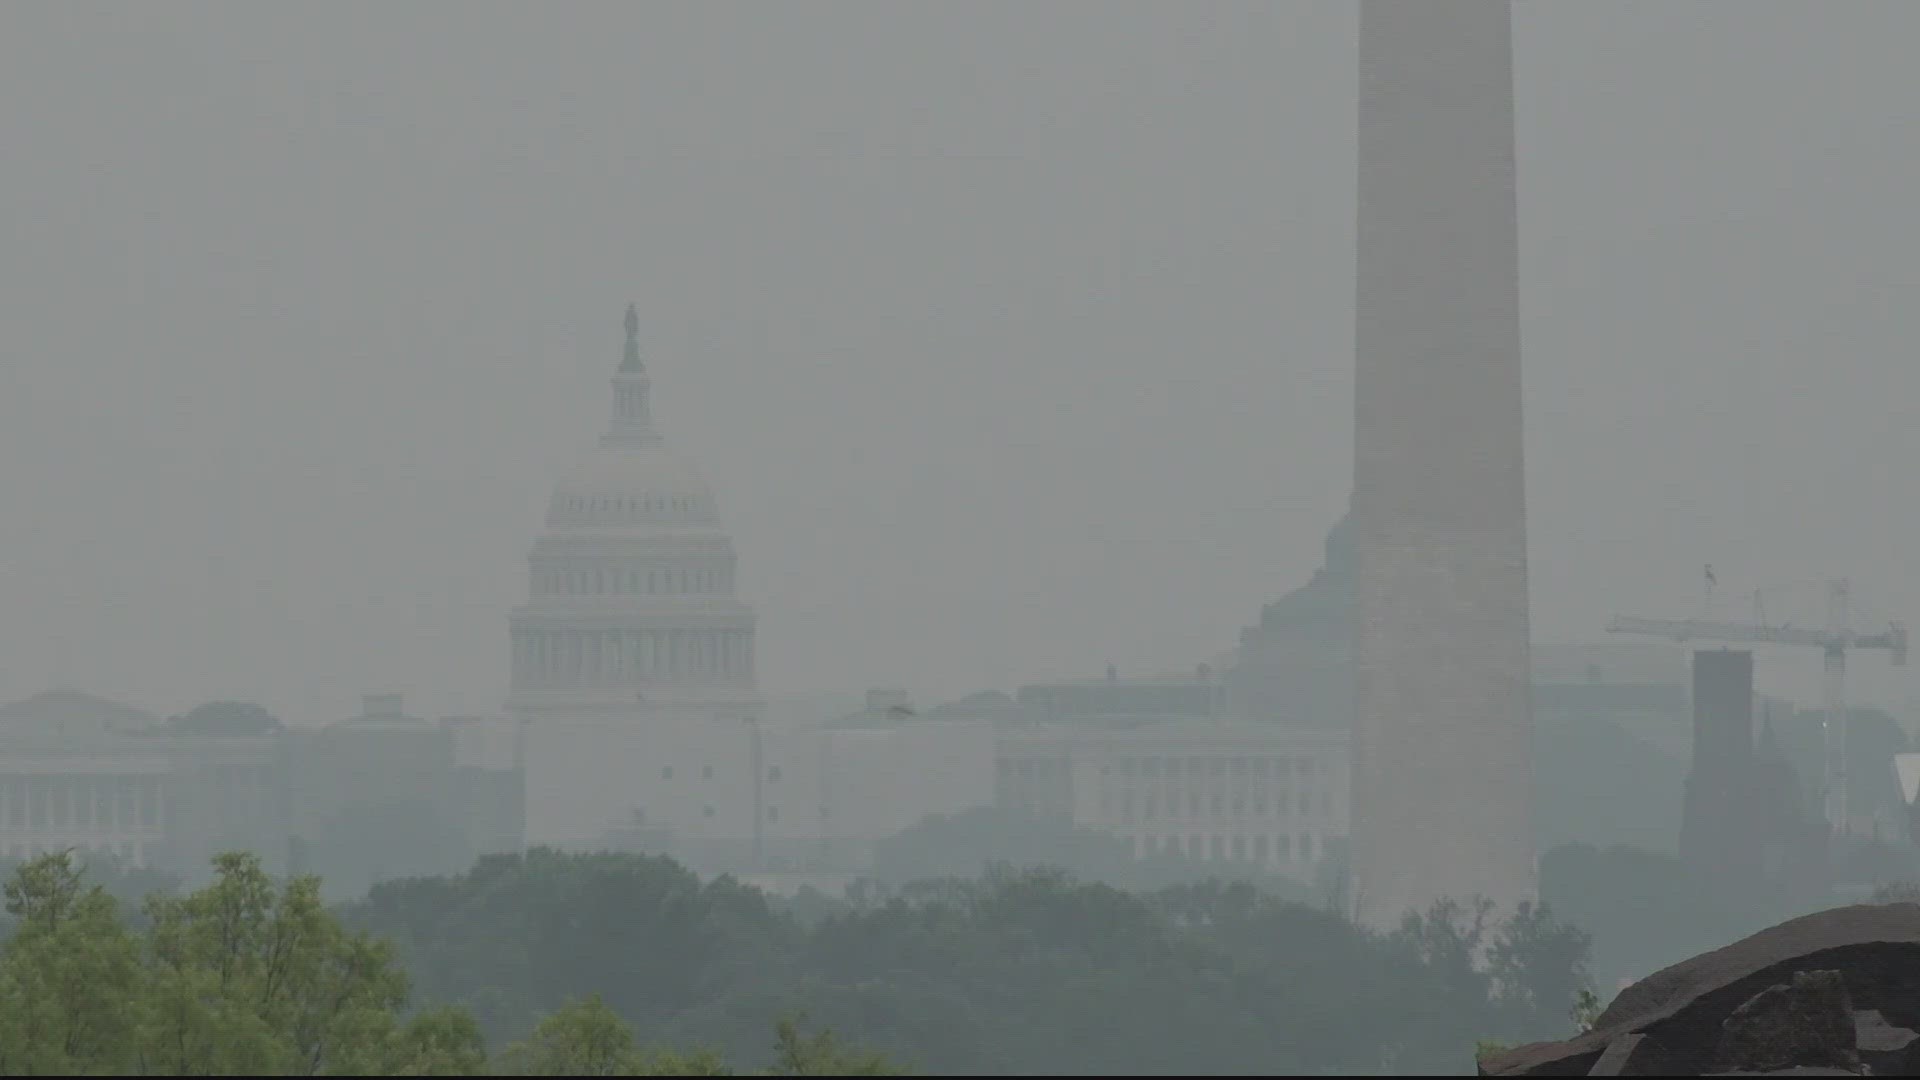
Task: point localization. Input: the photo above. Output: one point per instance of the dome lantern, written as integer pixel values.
(632, 394)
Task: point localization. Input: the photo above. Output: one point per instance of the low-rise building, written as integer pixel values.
(1204, 788)
(378, 794)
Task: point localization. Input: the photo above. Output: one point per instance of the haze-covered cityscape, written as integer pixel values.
(1341, 537)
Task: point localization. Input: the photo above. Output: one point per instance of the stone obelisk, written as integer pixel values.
(1441, 785)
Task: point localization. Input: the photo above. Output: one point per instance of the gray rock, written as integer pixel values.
(1796, 1071)
(1885, 1049)
(1680, 1010)
(1618, 1055)
(1807, 1022)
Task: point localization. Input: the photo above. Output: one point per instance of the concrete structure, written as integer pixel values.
(1745, 829)
(888, 768)
(1161, 761)
(376, 795)
(1611, 744)
(1295, 666)
(821, 796)
(384, 794)
(1210, 789)
(1132, 699)
(632, 655)
(76, 773)
(1716, 833)
(1442, 775)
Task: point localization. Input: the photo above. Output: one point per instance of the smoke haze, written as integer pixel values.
(1015, 339)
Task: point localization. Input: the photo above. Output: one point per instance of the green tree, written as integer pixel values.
(69, 976)
(250, 976)
(1539, 968)
(441, 1041)
(822, 1054)
(518, 936)
(585, 1038)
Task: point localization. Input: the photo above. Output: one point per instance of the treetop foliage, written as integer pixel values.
(1017, 970)
(249, 976)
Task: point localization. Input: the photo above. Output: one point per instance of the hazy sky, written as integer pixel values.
(1016, 338)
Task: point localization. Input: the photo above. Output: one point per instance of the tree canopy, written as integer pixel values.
(1019, 970)
(549, 964)
(251, 976)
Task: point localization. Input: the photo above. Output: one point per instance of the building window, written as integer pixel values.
(773, 813)
(1219, 768)
(1260, 848)
(1306, 803)
(1283, 847)
(773, 772)
(666, 773)
(1260, 768)
(706, 772)
(706, 811)
(1219, 805)
(1239, 847)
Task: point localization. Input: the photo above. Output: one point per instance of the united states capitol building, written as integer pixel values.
(633, 688)
(634, 722)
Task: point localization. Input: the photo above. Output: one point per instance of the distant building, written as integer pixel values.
(1746, 829)
(81, 772)
(632, 660)
(888, 768)
(813, 800)
(385, 794)
(1612, 742)
(1206, 788)
(1114, 699)
(1295, 666)
(377, 795)
(1159, 761)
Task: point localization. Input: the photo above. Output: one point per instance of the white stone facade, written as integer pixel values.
(1258, 794)
(632, 655)
(91, 800)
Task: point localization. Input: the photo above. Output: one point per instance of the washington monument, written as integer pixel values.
(1441, 775)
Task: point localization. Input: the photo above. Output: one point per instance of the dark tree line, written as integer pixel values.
(1017, 971)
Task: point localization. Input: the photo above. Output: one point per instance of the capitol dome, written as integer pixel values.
(626, 487)
(633, 651)
(631, 581)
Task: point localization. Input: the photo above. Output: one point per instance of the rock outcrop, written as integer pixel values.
(1806, 1022)
(1834, 993)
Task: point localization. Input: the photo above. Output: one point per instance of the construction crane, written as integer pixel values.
(1834, 641)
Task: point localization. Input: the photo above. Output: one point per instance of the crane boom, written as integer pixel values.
(1893, 639)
